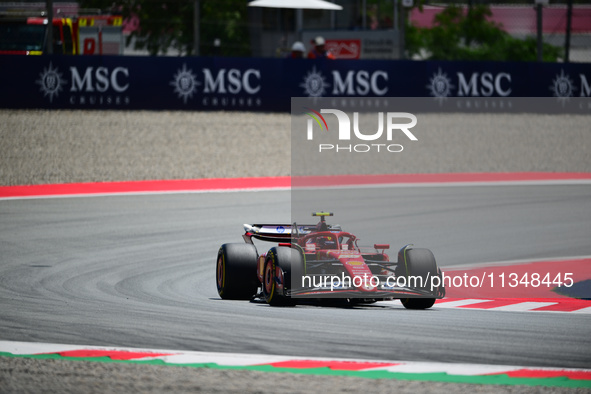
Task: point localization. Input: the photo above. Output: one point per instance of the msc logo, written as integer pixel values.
(360, 83)
(51, 82)
(100, 79)
(88, 86)
(346, 132)
(564, 87)
(230, 82)
(484, 84)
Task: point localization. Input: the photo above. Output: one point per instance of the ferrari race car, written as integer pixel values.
(323, 261)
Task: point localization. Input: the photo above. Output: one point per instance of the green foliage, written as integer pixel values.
(227, 21)
(168, 25)
(460, 35)
(163, 25)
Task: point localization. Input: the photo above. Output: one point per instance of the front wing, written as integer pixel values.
(383, 290)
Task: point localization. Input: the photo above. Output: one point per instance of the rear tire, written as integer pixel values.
(277, 276)
(418, 262)
(236, 271)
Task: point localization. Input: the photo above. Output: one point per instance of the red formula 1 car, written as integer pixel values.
(323, 261)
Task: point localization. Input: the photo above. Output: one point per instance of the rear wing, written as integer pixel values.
(275, 232)
(278, 232)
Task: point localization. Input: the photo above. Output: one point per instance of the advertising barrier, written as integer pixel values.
(257, 84)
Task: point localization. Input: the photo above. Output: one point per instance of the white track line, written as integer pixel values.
(522, 306)
(455, 304)
(450, 369)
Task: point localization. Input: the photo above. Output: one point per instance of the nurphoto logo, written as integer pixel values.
(393, 127)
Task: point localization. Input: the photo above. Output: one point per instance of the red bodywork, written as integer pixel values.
(334, 247)
(341, 246)
(322, 261)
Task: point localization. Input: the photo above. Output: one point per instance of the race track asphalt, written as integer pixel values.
(138, 271)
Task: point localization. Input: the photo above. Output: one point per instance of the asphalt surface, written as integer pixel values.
(139, 271)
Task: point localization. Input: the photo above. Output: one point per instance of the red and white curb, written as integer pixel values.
(517, 305)
(513, 296)
(285, 183)
(285, 363)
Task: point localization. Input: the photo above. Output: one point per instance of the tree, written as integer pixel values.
(165, 25)
(460, 35)
(227, 21)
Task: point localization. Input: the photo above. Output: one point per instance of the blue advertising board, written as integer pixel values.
(257, 84)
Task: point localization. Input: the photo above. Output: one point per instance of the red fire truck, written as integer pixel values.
(72, 35)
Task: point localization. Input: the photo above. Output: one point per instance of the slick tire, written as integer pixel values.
(236, 271)
(419, 262)
(277, 273)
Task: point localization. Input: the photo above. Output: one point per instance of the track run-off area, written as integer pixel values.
(113, 272)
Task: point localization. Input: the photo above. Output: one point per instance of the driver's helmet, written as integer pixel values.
(325, 243)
